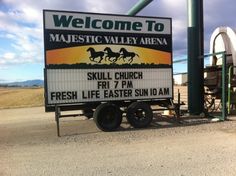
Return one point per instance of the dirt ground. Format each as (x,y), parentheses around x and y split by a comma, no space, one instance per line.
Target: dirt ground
(29,146)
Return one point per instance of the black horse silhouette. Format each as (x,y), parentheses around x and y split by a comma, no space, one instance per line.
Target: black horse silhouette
(125,54)
(110,54)
(95,54)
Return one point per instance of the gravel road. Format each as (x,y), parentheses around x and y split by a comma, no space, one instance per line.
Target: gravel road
(29,146)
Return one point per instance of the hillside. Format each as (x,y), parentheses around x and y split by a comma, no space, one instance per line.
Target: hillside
(28,83)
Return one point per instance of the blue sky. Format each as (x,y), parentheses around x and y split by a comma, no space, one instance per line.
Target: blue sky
(21,29)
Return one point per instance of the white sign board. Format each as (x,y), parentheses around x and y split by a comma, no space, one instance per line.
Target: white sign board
(74,85)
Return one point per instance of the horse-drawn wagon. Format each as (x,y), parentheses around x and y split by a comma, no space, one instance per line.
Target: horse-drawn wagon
(222,39)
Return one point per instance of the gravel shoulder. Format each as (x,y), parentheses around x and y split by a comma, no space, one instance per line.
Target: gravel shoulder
(29,146)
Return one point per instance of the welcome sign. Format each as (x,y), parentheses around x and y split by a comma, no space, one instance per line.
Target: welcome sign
(103,57)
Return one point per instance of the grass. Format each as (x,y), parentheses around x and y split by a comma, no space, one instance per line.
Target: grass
(21,97)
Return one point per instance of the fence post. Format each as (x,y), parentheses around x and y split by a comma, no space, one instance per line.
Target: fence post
(223,95)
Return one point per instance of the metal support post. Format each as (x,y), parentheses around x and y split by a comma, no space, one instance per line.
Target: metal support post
(138,7)
(229,88)
(178,107)
(195,50)
(223,98)
(57,118)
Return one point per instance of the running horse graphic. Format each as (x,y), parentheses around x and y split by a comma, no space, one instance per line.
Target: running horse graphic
(95,54)
(110,54)
(125,54)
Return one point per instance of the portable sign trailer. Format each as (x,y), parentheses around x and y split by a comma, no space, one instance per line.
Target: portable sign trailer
(105,62)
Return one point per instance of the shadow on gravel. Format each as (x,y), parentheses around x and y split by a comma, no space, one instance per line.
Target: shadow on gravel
(159,122)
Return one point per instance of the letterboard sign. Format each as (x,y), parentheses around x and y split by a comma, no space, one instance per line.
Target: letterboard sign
(102,57)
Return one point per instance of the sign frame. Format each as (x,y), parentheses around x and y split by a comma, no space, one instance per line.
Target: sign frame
(48,104)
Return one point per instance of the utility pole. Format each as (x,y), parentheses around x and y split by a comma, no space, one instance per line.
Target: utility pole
(195,60)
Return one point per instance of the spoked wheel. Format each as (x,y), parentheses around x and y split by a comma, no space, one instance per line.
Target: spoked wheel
(209,103)
(139,114)
(218,105)
(212,104)
(107,117)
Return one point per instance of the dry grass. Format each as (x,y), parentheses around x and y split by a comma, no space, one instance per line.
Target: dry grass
(21,97)
(183,90)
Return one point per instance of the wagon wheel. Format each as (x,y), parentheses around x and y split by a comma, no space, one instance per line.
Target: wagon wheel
(209,103)
(218,105)
(212,103)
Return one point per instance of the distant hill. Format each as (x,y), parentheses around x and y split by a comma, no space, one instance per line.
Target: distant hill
(28,83)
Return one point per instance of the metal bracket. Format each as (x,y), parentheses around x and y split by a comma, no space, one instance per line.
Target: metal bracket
(57,118)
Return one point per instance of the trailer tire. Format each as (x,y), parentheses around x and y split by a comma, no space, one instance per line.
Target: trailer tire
(107,117)
(139,114)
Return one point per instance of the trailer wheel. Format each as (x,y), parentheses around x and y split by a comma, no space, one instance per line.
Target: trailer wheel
(107,117)
(139,114)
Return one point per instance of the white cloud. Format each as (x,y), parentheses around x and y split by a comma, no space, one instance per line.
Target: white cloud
(9,56)
(23,24)
(10,36)
(25,32)
(106,6)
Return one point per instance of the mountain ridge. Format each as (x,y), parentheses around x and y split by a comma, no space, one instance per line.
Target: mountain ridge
(27,83)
